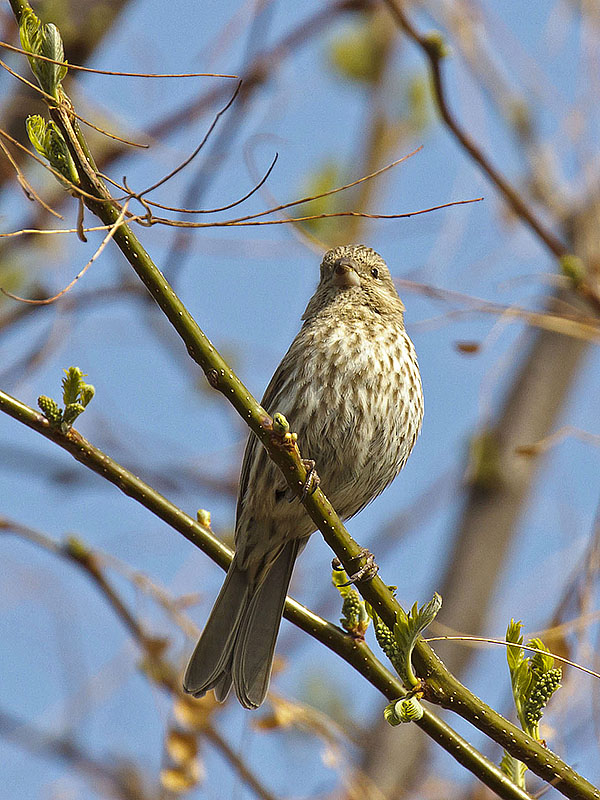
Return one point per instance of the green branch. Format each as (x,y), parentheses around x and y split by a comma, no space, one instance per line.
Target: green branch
(354,651)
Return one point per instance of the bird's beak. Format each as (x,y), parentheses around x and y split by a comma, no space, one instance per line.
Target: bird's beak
(345,274)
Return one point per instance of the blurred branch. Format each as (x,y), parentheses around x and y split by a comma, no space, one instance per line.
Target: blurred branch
(258,31)
(238,764)
(87,297)
(352,650)
(432,46)
(578,324)
(119,781)
(263,65)
(156,666)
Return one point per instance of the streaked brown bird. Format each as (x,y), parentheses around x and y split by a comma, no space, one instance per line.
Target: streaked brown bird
(350,388)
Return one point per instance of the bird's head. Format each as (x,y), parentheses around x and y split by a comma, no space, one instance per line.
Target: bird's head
(358,275)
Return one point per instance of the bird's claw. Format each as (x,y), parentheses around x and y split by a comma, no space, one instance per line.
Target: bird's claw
(365,573)
(312,480)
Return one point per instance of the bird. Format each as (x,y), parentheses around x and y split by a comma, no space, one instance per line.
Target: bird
(350,388)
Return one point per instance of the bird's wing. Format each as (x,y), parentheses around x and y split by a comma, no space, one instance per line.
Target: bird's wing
(269,402)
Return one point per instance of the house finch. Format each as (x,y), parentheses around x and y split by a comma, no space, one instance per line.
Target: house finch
(350,387)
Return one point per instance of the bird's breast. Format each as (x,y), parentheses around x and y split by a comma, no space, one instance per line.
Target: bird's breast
(358,407)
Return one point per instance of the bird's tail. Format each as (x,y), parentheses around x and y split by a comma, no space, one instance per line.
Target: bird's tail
(238,642)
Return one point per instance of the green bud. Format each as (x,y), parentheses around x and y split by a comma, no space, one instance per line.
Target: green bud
(36,127)
(545,686)
(50,409)
(407,630)
(534,678)
(86,392)
(407,709)
(59,155)
(49,142)
(76,548)
(354,618)
(280,424)
(43,40)
(71,384)
(385,639)
(70,414)
(203,517)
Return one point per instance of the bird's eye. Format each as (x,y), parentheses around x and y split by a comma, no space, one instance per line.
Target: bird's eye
(375,272)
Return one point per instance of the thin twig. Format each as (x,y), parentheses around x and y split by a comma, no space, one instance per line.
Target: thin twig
(193,155)
(49,231)
(79,68)
(53,101)
(251,220)
(542,445)
(504,643)
(105,241)
(328,193)
(586,328)
(103,776)
(30,192)
(233,204)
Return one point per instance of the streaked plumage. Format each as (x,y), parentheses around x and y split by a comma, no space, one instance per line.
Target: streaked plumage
(350,388)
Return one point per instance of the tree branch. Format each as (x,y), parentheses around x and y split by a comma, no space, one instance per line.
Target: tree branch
(441,687)
(433,50)
(354,651)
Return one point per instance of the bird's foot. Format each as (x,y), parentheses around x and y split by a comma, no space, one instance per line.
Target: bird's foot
(312,480)
(365,573)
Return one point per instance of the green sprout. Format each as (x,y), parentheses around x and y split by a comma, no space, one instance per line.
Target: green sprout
(534,680)
(385,638)
(407,709)
(398,646)
(50,409)
(43,40)
(50,143)
(407,630)
(203,517)
(76,396)
(354,619)
(280,424)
